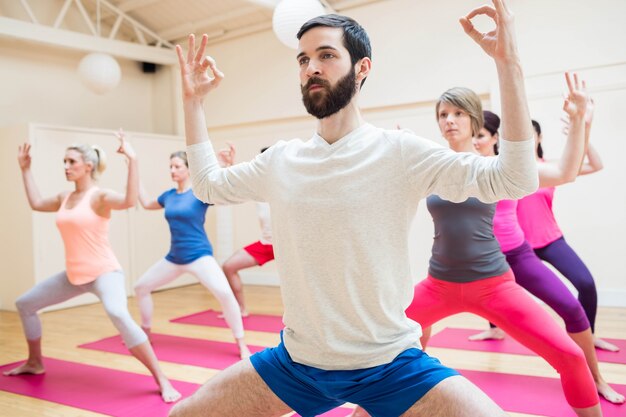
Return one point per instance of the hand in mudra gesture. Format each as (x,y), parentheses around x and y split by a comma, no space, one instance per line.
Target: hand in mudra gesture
(500,43)
(23,156)
(576,99)
(193,69)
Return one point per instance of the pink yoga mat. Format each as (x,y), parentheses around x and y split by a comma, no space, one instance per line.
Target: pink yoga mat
(183,350)
(534,395)
(101,390)
(257,322)
(453,338)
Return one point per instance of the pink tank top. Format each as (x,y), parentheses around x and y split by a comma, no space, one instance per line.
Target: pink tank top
(88,253)
(506,227)
(536,218)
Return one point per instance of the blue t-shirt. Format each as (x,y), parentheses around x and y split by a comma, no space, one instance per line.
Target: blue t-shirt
(185,215)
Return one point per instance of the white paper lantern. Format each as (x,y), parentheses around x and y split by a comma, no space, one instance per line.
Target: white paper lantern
(290,15)
(99,72)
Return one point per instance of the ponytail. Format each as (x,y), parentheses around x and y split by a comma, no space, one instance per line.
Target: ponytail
(93,155)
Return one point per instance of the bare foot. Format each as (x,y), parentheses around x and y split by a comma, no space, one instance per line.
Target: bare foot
(27,368)
(244,352)
(359,412)
(609,393)
(244,313)
(494,333)
(168,392)
(604,345)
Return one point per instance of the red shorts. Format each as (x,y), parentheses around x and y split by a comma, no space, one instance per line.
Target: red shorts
(260,252)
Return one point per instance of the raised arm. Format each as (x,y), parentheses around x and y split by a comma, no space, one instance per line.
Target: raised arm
(513,174)
(501,45)
(567,168)
(210,182)
(35,200)
(594,162)
(113,200)
(196,84)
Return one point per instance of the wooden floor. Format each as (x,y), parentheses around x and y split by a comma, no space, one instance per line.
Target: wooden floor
(65,329)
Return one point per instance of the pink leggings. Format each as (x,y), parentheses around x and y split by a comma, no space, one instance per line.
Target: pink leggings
(504,303)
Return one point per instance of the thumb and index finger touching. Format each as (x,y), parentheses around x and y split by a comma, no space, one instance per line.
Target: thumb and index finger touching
(495,12)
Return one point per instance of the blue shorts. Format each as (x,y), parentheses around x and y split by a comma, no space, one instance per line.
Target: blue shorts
(383,391)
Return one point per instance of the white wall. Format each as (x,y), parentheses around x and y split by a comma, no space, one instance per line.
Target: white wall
(32,248)
(420,50)
(42,85)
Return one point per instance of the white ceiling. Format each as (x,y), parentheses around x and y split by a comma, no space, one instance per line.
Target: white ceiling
(153,26)
(173,20)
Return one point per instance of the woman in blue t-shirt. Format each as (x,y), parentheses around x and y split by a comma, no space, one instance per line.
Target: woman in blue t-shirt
(190,251)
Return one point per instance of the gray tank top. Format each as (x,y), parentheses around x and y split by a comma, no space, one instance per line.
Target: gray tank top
(464,247)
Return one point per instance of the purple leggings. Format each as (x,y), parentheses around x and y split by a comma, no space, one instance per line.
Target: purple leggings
(539,280)
(561,256)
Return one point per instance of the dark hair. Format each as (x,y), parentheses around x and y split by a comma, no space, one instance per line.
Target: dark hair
(492,124)
(182,155)
(355,38)
(537,128)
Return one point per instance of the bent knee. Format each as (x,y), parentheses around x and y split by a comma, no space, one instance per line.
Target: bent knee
(24,305)
(142,290)
(230,268)
(586,288)
(119,315)
(570,358)
(574,317)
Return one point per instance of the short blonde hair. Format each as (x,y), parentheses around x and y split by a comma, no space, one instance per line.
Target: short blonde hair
(466,100)
(92,154)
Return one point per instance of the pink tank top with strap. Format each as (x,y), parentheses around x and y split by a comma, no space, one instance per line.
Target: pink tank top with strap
(536,218)
(506,227)
(88,253)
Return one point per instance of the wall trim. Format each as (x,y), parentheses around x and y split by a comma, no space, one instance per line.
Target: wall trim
(611,298)
(259,278)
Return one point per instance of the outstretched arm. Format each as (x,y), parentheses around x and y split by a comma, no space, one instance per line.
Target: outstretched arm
(566,169)
(116,201)
(35,200)
(501,45)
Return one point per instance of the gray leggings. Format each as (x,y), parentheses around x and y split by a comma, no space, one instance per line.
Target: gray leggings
(109,288)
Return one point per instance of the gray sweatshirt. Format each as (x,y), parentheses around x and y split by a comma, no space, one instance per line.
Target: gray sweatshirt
(341,215)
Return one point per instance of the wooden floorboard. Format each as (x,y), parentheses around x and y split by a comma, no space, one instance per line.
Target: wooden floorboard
(65,329)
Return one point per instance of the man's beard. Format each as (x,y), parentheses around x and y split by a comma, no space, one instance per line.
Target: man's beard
(329,100)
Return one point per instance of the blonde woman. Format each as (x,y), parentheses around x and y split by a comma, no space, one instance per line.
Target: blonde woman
(83,217)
